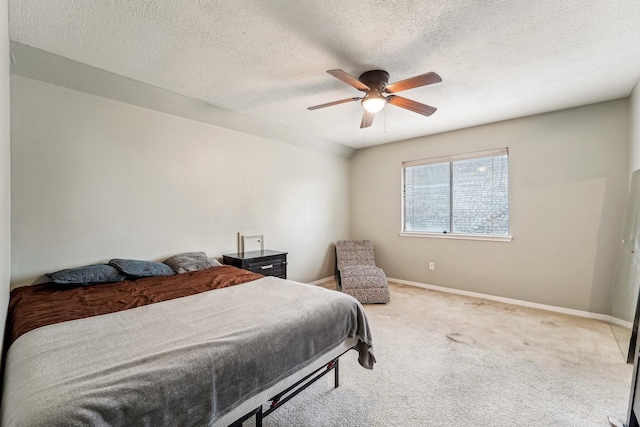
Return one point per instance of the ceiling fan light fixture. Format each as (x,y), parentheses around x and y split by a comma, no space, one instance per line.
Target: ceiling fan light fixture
(374,102)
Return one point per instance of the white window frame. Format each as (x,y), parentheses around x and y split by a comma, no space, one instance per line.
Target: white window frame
(449,159)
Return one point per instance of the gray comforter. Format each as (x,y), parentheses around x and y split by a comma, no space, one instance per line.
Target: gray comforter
(181,362)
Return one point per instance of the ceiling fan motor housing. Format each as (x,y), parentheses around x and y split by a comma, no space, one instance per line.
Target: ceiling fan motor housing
(375,79)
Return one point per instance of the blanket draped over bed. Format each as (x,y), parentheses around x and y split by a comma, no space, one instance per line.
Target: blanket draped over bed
(31,307)
(185,361)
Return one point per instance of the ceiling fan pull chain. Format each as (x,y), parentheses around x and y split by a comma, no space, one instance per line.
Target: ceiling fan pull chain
(385,122)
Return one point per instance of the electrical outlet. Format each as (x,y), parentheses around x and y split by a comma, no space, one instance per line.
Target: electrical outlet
(432,266)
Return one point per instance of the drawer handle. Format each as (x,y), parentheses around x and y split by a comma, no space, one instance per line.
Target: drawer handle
(266,267)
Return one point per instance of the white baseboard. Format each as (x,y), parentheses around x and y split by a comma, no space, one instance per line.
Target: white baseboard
(553,308)
(579,313)
(321,281)
(621,322)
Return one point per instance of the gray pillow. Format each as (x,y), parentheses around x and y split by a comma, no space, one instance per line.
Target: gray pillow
(136,268)
(190,261)
(101,273)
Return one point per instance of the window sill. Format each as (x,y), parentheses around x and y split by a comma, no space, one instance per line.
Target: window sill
(487,238)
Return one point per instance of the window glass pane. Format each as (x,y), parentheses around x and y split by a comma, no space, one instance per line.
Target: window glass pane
(480,196)
(427,198)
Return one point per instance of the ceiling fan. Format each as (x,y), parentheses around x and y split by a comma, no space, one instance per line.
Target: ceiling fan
(374,84)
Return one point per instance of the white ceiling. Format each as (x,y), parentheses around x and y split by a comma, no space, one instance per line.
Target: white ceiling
(498,59)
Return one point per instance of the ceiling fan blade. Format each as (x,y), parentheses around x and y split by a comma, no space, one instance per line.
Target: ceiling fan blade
(329,104)
(417,81)
(367,119)
(416,107)
(348,79)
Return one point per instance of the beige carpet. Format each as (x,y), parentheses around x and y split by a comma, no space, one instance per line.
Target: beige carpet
(449,360)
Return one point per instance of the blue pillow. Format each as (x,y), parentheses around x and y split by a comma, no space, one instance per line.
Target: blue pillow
(101,273)
(136,268)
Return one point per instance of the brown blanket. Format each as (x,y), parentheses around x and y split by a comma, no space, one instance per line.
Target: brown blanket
(31,307)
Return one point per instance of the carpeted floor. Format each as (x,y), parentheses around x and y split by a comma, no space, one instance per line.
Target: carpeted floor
(449,360)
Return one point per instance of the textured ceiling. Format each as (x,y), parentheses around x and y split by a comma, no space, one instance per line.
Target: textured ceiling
(267,59)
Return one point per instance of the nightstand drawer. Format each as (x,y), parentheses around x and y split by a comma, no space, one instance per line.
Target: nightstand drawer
(267,262)
(275,271)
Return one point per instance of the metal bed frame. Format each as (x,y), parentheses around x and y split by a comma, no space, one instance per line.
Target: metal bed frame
(284,396)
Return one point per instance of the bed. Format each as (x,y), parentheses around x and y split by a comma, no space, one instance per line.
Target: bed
(204,348)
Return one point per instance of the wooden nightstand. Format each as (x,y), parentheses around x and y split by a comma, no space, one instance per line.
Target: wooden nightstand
(267,262)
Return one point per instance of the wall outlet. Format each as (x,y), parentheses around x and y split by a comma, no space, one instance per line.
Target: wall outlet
(432,266)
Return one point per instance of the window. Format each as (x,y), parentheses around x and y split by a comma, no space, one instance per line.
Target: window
(465,194)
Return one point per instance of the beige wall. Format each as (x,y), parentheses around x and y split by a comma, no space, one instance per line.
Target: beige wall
(5,165)
(634,130)
(568,189)
(95,178)
(625,292)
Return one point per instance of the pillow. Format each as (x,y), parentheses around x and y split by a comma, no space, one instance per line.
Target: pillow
(86,275)
(136,268)
(190,261)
